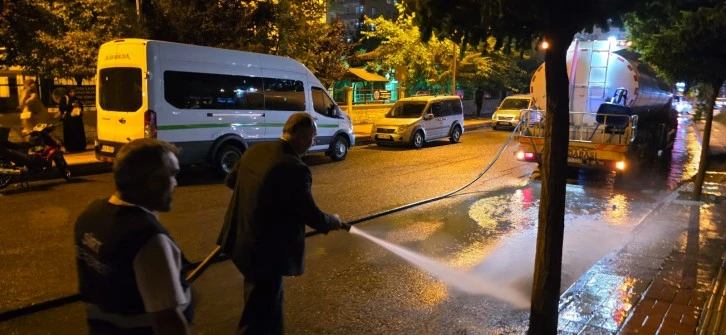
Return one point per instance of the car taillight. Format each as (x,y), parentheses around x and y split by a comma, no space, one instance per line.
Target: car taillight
(150,124)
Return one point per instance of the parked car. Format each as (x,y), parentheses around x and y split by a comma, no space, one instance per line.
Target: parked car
(416,120)
(508,112)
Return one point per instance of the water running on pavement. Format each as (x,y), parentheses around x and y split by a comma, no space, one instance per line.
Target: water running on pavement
(463,281)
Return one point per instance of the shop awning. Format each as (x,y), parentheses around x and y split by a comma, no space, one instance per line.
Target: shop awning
(356,74)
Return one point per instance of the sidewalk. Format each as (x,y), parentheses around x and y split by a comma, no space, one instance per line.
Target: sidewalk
(681,285)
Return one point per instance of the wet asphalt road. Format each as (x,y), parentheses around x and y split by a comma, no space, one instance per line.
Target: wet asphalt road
(352,285)
(38,222)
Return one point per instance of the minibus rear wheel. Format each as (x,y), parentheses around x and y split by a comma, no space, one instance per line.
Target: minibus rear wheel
(226,158)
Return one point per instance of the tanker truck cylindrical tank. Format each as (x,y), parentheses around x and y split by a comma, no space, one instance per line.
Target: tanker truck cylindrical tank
(601,67)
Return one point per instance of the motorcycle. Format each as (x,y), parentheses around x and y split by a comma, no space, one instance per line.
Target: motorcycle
(19,160)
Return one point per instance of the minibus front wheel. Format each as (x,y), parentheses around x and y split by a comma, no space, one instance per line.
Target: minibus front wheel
(338,148)
(226,158)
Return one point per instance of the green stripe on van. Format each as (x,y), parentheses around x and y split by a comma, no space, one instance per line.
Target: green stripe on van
(225,125)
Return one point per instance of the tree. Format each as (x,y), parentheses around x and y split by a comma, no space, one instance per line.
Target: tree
(285,28)
(426,64)
(517,24)
(240,25)
(21,19)
(61,38)
(81,26)
(685,40)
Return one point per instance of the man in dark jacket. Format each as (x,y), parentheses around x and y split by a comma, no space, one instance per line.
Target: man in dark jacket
(264,231)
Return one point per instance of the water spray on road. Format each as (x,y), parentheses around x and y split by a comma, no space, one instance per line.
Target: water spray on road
(475,284)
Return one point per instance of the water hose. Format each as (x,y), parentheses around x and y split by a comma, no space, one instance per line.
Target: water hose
(213,256)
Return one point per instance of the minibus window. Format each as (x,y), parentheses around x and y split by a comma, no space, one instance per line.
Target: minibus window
(120,89)
(323,105)
(284,94)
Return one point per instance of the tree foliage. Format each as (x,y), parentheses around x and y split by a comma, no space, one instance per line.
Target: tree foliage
(285,28)
(430,63)
(685,40)
(401,48)
(61,38)
(680,40)
(82,26)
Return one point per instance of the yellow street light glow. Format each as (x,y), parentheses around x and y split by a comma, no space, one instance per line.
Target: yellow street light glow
(545,45)
(620,165)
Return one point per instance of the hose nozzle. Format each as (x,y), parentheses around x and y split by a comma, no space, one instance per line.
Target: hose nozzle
(345,226)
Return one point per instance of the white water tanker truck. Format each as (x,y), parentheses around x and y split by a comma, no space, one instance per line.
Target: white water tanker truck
(620,112)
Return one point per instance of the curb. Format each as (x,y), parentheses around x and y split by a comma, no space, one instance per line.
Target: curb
(84,169)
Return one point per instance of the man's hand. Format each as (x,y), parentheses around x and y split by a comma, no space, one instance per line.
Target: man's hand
(339,224)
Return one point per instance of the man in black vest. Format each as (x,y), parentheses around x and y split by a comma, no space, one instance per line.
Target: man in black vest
(129,268)
(264,229)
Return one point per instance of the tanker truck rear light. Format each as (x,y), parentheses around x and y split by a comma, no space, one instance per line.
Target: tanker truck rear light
(525,156)
(620,165)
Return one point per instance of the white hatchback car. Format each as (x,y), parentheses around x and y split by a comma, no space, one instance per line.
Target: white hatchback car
(417,120)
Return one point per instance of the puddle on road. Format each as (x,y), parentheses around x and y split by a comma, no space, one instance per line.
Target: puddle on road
(463,281)
(595,223)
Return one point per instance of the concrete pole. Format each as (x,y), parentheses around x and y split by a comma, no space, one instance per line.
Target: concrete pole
(401,91)
(349,101)
(453,73)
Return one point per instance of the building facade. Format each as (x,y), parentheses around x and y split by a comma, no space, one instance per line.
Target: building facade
(353,12)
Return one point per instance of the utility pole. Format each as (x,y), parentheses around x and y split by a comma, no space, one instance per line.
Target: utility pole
(453,73)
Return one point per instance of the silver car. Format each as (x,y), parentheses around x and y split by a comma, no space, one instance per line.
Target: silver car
(416,120)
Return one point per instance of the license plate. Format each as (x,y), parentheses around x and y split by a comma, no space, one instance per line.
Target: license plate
(581,154)
(107,148)
(505,123)
(383,137)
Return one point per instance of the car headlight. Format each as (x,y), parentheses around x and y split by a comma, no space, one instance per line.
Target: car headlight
(494,116)
(402,129)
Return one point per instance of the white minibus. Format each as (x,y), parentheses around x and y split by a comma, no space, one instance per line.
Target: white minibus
(212,103)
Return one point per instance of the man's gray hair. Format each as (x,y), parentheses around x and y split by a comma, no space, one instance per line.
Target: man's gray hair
(298,122)
(139,160)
